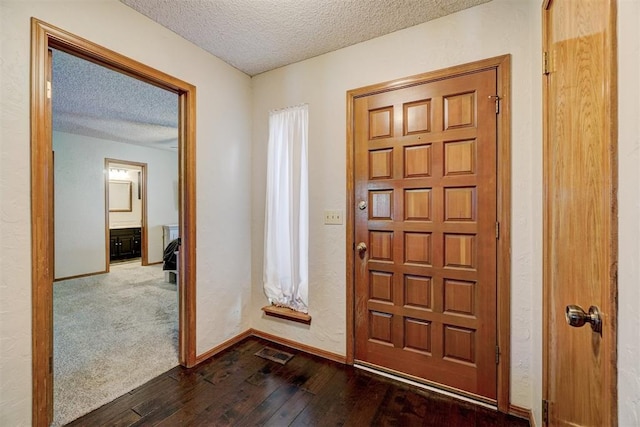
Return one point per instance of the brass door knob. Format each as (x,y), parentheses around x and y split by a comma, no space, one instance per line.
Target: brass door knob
(577,317)
(362,248)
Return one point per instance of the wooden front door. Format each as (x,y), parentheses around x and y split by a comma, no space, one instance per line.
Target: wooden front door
(580,257)
(425,191)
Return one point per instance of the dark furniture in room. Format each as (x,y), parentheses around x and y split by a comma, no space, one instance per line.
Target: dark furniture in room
(124,243)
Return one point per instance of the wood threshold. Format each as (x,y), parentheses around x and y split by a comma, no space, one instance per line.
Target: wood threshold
(287,314)
(441,388)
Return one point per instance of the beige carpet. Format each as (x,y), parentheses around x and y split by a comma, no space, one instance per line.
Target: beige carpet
(112,333)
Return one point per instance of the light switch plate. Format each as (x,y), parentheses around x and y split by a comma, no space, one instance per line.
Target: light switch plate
(333,217)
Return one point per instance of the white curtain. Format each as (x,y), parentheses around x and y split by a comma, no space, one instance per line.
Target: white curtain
(286,231)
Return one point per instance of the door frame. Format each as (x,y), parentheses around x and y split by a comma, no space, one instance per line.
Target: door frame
(502,65)
(43,37)
(144,255)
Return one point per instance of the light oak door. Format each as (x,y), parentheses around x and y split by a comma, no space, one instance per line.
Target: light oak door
(580,237)
(425,228)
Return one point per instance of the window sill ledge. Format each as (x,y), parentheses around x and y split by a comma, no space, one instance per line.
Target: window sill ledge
(287,313)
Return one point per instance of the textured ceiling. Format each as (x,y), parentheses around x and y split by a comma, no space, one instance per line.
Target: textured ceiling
(92,100)
(252,35)
(259,35)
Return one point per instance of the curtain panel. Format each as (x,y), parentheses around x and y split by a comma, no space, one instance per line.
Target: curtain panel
(286,236)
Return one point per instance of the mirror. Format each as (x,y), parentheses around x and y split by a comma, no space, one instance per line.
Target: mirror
(119,196)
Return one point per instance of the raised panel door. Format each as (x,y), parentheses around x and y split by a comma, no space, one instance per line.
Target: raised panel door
(425,164)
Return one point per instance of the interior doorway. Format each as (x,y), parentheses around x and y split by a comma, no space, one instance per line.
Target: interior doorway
(126,212)
(123,315)
(44,37)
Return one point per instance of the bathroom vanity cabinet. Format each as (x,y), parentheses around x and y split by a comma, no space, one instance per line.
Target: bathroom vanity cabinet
(124,243)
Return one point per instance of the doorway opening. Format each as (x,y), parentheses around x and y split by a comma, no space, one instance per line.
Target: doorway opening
(45,37)
(126,212)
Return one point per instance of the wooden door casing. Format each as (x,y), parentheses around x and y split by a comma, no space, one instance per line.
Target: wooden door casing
(44,36)
(580,209)
(425,165)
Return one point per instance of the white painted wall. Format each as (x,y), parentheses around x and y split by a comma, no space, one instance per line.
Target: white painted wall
(223,178)
(80,205)
(628,208)
(495,28)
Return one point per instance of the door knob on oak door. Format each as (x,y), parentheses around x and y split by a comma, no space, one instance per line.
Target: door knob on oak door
(361,248)
(577,317)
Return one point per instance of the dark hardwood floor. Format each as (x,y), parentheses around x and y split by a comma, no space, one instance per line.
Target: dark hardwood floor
(238,388)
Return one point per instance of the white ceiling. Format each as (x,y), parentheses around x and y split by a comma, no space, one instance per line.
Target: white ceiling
(252,35)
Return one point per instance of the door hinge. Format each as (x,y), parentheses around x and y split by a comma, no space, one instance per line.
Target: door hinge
(497,355)
(545,411)
(497,100)
(48,89)
(545,63)
(497,230)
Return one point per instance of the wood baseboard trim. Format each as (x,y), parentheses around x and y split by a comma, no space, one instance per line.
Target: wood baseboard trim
(221,347)
(273,338)
(79,276)
(287,314)
(302,347)
(521,412)
(154,263)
